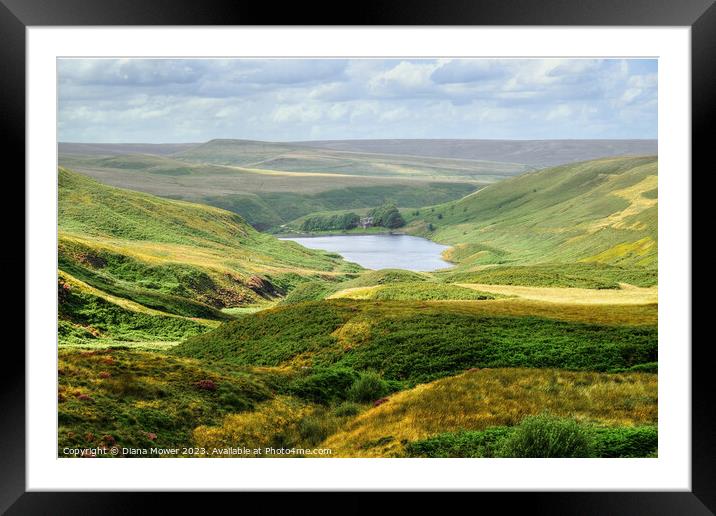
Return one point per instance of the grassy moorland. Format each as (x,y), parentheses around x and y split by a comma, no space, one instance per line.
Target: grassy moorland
(494,398)
(181,325)
(130,256)
(144,399)
(297,158)
(600,212)
(420,341)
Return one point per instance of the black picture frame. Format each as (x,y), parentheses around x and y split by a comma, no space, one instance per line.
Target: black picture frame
(17,15)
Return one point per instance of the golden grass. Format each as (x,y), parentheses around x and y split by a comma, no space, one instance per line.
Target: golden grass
(128,304)
(637,204)
(640,247)
(628,295)
(124,303)
(255,429)
(485,398)
(219,258)
(597,313)
(355,293)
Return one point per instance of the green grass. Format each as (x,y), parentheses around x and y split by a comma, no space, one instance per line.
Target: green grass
(425,291)
(134,259)
(171,288)
(86,318)
(414,342)
(577,275)
(481,399)
(607,442)
(310,291)
(384,277)
(91,212)
(597,211)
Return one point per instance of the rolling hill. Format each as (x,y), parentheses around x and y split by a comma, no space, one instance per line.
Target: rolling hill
(418,341)
(600,212)
(127,253)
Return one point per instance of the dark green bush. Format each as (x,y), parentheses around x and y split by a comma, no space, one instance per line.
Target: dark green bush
(369,387)
(346,409)
(314,428)
(548,436)
(324,385)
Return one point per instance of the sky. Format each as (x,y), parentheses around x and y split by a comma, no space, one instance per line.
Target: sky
(196,100)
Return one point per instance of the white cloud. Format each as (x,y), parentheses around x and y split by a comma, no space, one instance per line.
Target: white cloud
(279,99)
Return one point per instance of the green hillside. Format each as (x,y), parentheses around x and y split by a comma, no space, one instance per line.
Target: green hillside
(267,198)
(602,211)
(419,341)
(162,257)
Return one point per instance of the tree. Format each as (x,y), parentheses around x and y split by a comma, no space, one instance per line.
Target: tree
(387,216)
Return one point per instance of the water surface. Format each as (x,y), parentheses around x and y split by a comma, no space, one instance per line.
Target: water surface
(382,251)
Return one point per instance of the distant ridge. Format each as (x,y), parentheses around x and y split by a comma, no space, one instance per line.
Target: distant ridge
(114,149)
(535,153)
(532,153)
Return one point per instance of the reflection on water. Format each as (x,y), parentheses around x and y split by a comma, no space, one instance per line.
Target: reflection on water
(382,251)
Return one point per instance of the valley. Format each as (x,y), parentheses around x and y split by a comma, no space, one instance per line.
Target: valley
(516,286)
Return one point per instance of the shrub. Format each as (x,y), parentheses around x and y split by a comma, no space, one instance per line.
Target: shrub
(548,436)
(626,441)
(316,427)
(309,291)
(470,444)
(324,385)
(649,367)
(346,409)
(370,386)
(234,398)
(206,385)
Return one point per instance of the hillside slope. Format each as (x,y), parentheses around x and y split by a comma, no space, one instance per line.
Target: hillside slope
(417,341)
(172,257)
(602,211)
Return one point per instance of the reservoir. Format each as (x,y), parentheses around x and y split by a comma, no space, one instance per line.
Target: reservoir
(382,251)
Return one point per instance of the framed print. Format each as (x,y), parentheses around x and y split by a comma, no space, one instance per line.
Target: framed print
(425,249)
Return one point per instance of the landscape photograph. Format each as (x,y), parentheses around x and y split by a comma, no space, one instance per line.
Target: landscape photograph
(357,258)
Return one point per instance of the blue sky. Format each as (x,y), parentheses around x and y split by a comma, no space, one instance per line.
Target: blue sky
(193,100)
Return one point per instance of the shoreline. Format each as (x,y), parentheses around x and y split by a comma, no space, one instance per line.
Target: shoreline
(334,233)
